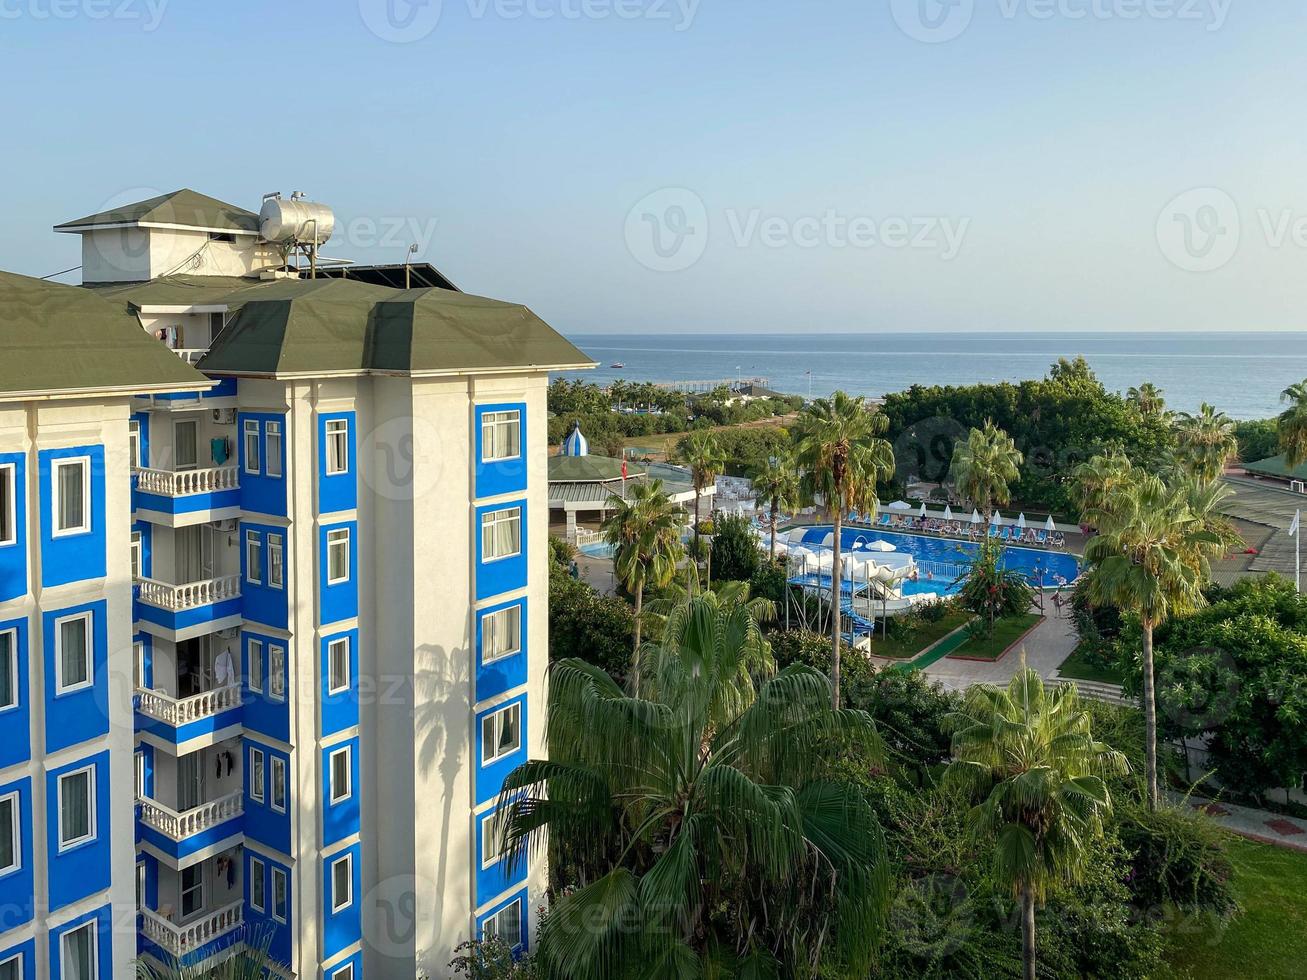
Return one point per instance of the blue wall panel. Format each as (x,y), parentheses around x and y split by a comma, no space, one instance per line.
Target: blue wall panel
(260,493)
(340,820)
(263,713)
(83,869)
(340,711)
(502,675)
(281,946)
(72,557)
(189,504)
(13,557)
(342,929)
(83,714)
(15,722)
(260,602)
(17,888)
(490,779)
(26,952)
(519,897)
(103,919)
(501,476)
(264,823)
(337,603)
(502,574)
(340,491)
(496,879)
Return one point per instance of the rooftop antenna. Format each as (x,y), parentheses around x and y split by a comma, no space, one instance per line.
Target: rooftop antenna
(408,275)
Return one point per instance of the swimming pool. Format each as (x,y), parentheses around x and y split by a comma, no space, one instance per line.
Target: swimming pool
(941,560)
(600,549)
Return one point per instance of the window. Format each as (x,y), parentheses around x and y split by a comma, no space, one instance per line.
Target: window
(337,446)
(341,771)
(279,897)
(72,493)
(501,634)
(140,775)
(136,555)
(251,430)
(8,669)
(272,430)
(138,663)
(501,534)
(342,883)
(134,444)
(490,852)
(10,846)
(80,959)
(256,775)
(501,436)
(501,733)
(276,672)
(258,900)
(192,890)
(338,556)
(256,665)
(338,665)
(253,557)
(140,886)
(346,972)
(279,784)
(276,567)
(76,807)
(505,925)
(184,444)
(8,504)
(72,660)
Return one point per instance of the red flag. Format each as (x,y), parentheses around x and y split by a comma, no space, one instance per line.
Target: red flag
(623,469)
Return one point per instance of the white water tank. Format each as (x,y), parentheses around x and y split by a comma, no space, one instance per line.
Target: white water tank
(295,221)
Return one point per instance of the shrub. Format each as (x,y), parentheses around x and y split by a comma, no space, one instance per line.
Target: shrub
(598,629)
(561,552)
(735,555)
(1179,859)
(769,582)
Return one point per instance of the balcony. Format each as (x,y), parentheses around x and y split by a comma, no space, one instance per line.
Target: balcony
(184,483)
(180,611)
(192,595)
(182,836)
(196,939)
(181,719)
(181,497)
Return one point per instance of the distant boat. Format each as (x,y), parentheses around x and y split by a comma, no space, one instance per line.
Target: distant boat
(617,364)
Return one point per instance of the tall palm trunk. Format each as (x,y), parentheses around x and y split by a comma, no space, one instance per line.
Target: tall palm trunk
(1028,932)
(635,649)
(773,529)
(835,611)
(1150,717)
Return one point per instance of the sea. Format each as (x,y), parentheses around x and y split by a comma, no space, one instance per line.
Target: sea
(1241,373)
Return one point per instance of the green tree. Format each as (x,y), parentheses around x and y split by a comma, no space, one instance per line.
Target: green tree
(1147,399)
(734,548)
(1293,425)
(1152,559)
(1032,758)
(587,624)
(776,487)
(249,960)
(984,465)
(645,533)
(1097,479)
(991,591)
(841,458)
(702,843)
(1205,442)
(703,455)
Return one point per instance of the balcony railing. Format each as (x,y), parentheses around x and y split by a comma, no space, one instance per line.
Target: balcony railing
(180,940)
(178,598)
(191,355)
(182,483)
(180,826)
(176,713)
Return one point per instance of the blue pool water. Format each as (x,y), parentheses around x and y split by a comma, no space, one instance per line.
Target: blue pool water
(598,550)
(941,560)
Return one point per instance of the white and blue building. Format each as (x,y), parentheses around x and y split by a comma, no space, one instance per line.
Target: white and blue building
(272,606)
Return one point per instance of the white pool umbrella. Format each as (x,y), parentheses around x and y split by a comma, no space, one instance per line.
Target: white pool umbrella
(899,505)
(881,546)
(1049,525)
(948,512)
(828,540)
(922,512)
(1021,521)
(975,517)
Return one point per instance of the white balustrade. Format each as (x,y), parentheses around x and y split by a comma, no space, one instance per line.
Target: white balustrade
(178,598)
(175,712)
(183,939)
(179,826)
(182,483)
(191,355)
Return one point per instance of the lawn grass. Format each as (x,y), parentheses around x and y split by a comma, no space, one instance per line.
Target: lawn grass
(1006,632)
(908,647)
(1269,938)
(1077,668)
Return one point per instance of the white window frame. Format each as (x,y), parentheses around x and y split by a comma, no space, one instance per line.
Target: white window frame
(277,543)
(276,672)
(138,663)
(492,517)
(177,463)
(345,972)
(92,829)
(134,444)
(56,466)
(9,478)
(16,832)
(337,532)
(253,546)
(277,765)
(95,947)
(261,905)
(60,688)
(181,891)
(337,906)
(496,718)
(250,427)
(279,875)
(254,653)
(511,418)
(138,759)
(272,465)
(140,885)
(137,571)
(488,842)
(332,646)
(11,665)
(335,794)
(18,958)
(258,767)
(335,435)
(514,906)
(508,612)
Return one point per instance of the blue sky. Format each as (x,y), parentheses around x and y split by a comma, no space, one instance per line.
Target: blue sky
(834,166)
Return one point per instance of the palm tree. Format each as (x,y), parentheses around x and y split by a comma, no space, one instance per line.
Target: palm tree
(983,466)
(249,961)
(1147,399)
(1293,425)
(701,842)
(1032,757)
(776,487)
(646,537)
(1151,558)
(841,457)
(1097,479)
(1205,442)
(702,454)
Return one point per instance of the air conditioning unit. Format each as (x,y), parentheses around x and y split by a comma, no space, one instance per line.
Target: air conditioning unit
(228,526)
(224,416)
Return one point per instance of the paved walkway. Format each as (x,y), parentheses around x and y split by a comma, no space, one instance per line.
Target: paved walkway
(1051,643)
(1258,825)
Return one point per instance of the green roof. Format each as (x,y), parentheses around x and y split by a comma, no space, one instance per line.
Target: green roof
(1275,466)
(589,469)
(184,207)
(60,339)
